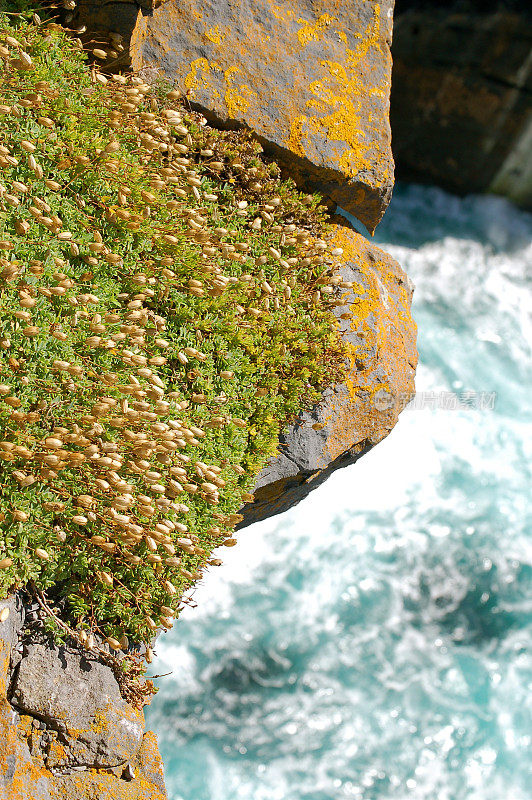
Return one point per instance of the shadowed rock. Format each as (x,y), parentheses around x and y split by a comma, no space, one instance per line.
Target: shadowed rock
(461,106)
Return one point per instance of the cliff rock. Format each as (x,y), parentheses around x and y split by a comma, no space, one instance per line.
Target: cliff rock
(375,322)
(66,732)
(461,105)
(311,79)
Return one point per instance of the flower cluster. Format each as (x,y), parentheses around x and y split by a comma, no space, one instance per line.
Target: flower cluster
(164,310)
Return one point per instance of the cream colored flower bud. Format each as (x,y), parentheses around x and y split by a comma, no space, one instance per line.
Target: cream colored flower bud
(106,578)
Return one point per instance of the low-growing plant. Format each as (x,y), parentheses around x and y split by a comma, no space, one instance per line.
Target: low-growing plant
(165,311)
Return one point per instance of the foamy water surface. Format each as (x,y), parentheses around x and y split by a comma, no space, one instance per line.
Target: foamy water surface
(374,642)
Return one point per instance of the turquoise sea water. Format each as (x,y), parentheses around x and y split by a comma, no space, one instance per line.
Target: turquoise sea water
(374,643)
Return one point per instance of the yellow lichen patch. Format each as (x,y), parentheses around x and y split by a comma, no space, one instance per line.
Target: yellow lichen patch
(197,14)
(282,14)
(24,775)
(57,754)
(105,721)
(370,38)
(237,99)
(339,113)
(237,96)
(215,35)
(308,32)
(24,726)
(344,123)
(295,136)
(149,759)
(198,74)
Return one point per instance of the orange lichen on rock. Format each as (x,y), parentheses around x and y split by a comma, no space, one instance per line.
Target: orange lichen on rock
(21,777)
(24,773)
(149,760)
(42,761)
(309,31)
(381,338)
(97,785)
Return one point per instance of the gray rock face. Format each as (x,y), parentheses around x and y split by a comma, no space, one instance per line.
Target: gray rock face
(78,697)
(285,482)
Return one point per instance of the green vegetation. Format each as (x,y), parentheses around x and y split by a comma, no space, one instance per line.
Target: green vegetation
(161,321)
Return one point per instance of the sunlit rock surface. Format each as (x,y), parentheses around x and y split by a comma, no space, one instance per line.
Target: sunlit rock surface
(65,731)
(311,79)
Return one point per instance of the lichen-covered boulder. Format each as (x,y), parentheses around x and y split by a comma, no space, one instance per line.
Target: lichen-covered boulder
(65,731)
(134,784)
(63,721)
(376,324)
(310,77)
(20,777)
(79,697)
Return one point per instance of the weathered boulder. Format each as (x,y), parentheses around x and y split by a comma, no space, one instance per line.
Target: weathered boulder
(310,77)
(65,731)
(461,105)
(375,321)
(79,697)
